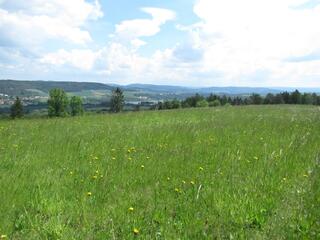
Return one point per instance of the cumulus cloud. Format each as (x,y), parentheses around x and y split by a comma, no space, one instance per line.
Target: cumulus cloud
(35,21)
(241,38)
(132,30)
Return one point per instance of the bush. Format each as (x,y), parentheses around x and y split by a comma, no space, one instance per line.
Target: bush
(215,103)
(202,103)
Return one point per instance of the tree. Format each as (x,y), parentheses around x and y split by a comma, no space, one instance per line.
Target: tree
(296,97)
(117,100)
(57,103)
(16,109)
(76,107)
(256,99)
(215,103)
(202,103)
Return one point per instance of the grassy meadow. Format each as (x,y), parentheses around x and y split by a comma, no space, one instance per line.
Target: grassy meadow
(214,173)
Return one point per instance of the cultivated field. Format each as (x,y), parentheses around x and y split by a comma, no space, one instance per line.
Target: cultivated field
(220,173)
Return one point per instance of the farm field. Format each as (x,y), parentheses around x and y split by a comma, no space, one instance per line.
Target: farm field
(214,173)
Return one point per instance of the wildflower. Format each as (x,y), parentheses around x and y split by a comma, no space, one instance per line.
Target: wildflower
(177,190)
(183,181)
(148,157)
(71,172)
(255,158)
(95,158)
(136,231)
(101,176)
(168,179)
(192,182)
(129,158)
(305,175)
(94,177)
(129,150)
(113,158)
(142,166)
(284,179)
(131,209)
(97,171)
(3,236)
(201,168)
(113,150)
(89,194)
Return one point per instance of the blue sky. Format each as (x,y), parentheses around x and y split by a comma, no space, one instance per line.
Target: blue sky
(177,42)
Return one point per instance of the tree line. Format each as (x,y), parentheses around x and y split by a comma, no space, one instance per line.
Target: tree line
(60,105)
(214,100)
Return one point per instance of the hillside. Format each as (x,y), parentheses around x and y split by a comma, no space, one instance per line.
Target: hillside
(26,88)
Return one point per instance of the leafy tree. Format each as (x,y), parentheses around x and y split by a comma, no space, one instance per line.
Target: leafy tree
(57,103)
(76,107)
(202,103)
(215,103)
(16,109)
(117,101)
(192,101)
(256,99)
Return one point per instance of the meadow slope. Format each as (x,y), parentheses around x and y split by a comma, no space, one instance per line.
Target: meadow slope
(219,173)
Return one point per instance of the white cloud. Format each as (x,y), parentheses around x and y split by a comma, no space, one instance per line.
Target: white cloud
(82,59)
(241,38)
(34,21)
(132,30)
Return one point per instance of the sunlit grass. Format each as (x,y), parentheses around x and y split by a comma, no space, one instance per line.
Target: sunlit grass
(234,172)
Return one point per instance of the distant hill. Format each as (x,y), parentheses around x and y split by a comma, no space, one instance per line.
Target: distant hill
(27,88)
(207,90)
(134,91)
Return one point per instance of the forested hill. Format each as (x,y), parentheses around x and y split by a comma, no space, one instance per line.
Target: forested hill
(20,88)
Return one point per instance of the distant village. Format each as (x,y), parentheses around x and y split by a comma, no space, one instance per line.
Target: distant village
(6,100)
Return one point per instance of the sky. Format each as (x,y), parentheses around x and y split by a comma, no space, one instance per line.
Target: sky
(255,43)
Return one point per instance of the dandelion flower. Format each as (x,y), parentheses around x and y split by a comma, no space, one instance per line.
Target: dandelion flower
(201,168)
(97,171)
(89,194)
(3,236)
(131,209)
(168,179)
(148,157)
(255,158)
(71,172)
(183,181)
(113,158)
(192,182)
(95,177)
(129,158)
(177,190)
(142,166)
(136,231)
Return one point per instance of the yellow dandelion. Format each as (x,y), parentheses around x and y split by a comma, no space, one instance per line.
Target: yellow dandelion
(129,150)
(305,175)
(113,150)
(129,158)
(95,177)
(131,209)
(168,179)
(113,158)
(148,157)
(101,176)
(284,179)
(3,236)
(97,171)
(255,158)
(136,231)
(177,190)
(89,194)
(142,166)
(183,181)
(71,172)
(192,182)
(201,168)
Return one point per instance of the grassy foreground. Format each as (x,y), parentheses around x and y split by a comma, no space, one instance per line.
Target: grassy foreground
(223,173)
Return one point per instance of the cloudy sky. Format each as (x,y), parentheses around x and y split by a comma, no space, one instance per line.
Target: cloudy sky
(177,42)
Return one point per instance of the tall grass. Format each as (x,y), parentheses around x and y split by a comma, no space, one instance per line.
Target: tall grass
(220,173)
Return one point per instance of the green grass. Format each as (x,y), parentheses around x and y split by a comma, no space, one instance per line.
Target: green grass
(260,177)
